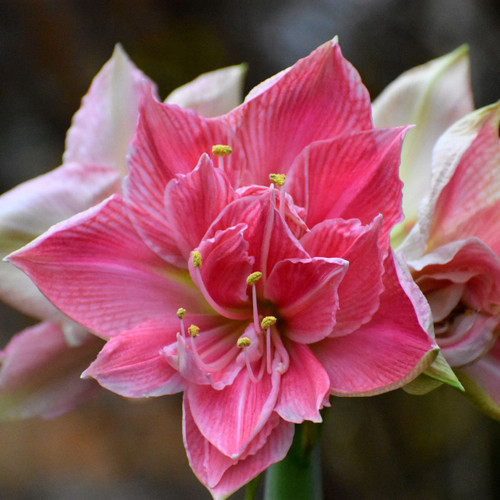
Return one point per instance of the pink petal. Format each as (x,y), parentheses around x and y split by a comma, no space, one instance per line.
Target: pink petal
(320,96)
(362,168)
(432,96)
(224,270)
(474,187)
(40,373)
(103,127)
(305,294)
(221,474)
(231,418)
(212,94)
(96,269)
(168,141)
(464,183)
(304,386)
(31,208)
(362,284)
(193,201)
(386,353)
(215,346)
(270,239)
(131,363)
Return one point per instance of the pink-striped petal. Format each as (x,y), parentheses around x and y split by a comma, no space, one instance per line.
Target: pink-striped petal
(321,96)
(106,279)
(231,418)
(363,168)
(40,373)
(361,286)
(131,364)
(31,208)
(386,353)
(168,141)
(223,475)
(304,386)
(304,291)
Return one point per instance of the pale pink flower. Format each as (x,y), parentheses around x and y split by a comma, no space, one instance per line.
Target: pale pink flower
(258,299)
(94,164)
(432,97)
(454,253)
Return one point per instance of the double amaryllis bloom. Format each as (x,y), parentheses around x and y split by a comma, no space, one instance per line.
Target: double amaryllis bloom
(247,263)
(454,253)
(40,367)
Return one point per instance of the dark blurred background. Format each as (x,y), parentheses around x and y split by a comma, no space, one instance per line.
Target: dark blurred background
(391,446)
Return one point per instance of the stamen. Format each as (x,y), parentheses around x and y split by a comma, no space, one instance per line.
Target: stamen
(180,314)
(279,181)
(194,331)
(196,256)
(282,353)
(254,277)
(221,150)
(251,280)
(243,343)
(266,324)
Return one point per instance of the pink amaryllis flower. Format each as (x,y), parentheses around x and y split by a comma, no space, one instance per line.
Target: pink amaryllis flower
(454,253)
(247,264)
(41,366)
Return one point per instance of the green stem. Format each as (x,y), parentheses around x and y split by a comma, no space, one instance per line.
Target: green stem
(298,476)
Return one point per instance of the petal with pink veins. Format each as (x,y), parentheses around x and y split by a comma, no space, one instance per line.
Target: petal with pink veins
(131,364)
(386,353)
(31,208)
(304,386)
(106,279)
(225,266)
(304,291)
(363,168)
(168,141)
(361,286)
(269,237)
(192,202)
(223,475)
(231,418)
(320,96)
(40,373)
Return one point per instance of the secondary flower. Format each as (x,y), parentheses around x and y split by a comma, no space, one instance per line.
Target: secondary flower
(454,253)
(431,97)
(41,365)
(247,264)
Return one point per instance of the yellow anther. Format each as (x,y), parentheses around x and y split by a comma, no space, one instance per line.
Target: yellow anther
(253,278)
(267,322)
(278,179)
(196,256)
(243,342)
(221,150)
(194,331)
(181,312)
